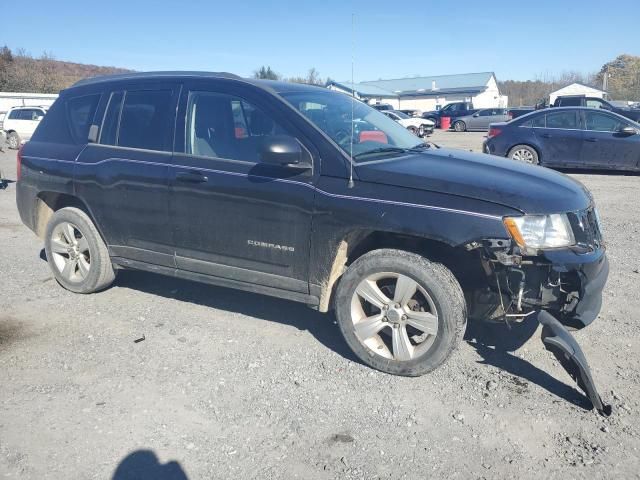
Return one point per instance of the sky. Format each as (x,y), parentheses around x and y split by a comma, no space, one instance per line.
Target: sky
(516,39)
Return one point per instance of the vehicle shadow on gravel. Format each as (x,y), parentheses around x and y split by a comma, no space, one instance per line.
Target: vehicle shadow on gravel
(144,465)
(321,326)
(495,344)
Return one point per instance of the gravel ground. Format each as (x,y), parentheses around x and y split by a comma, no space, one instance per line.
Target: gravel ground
(228,384)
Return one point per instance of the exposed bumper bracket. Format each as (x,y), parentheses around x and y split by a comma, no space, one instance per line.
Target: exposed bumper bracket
(557,339)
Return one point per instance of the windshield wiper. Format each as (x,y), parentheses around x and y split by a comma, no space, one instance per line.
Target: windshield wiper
(419,147)
(381,150)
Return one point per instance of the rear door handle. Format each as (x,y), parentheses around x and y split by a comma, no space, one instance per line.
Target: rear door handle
(591,139)
(191,177)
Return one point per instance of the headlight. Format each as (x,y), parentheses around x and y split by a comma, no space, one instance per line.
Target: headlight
(533,232)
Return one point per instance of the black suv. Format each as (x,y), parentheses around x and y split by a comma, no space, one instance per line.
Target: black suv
(307,194)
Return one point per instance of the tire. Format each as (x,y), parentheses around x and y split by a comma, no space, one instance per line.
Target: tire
(85,269)
(437,294)
(460,126)
(13,139)
(413,130)
(524,153)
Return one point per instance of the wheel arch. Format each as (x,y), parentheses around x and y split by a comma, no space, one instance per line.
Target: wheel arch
(48,202)
(356,244)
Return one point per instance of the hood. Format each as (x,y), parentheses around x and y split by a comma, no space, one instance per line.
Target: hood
(527,188)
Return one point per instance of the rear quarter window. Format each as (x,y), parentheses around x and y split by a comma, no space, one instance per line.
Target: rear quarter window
(68,120)
(80,112)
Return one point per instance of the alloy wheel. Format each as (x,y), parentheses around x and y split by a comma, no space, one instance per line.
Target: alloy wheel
(394,316)
(523,155)
(70,251)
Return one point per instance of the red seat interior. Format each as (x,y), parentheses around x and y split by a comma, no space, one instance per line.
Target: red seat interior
(373,136)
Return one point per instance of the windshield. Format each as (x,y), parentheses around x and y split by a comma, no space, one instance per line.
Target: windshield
(402,114)
(373,132)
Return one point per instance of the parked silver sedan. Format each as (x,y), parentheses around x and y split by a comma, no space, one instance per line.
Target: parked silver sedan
(480,120)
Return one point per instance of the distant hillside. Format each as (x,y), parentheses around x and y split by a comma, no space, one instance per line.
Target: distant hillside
(20,72)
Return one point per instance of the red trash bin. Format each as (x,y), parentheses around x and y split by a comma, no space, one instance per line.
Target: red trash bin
(445,123)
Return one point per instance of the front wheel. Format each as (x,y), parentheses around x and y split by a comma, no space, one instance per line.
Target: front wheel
(399,312)
(524,153)
(76,252)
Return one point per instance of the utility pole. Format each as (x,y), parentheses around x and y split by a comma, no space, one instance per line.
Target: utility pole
(605,79)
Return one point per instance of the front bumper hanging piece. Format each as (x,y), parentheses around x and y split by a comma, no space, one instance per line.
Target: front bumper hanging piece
(557,339)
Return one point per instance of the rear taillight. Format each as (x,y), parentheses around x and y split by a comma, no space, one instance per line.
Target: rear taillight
(494,132)
(19,162)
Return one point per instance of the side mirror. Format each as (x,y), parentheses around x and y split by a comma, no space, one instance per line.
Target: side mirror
(39,117)
(476,114)
(283,150)
(627,131)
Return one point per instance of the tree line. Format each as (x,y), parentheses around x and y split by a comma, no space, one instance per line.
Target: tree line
(622,79)
(21,72)
(312,77)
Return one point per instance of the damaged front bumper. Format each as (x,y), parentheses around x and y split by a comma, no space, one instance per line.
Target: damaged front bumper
(562,288)
(567,283)
(577,295)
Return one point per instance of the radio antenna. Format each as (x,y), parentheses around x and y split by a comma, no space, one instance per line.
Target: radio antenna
(353,94)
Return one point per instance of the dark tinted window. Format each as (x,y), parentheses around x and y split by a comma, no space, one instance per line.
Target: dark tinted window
(565,119)
(602,122)
(224,126)
(570,102)
(109,130)
(30,114)
(146,120)
(14,115)
(486,113)
(80,112)
(536,122)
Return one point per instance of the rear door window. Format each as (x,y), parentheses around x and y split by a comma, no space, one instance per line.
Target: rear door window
(111,120)
(563,120)
(146,119)
(537,122)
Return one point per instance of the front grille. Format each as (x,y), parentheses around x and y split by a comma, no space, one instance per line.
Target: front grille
(586,227)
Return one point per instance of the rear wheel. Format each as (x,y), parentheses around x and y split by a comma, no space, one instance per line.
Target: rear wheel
(524,153)
(76,253)
(13,139)
(459,126)
(399,312)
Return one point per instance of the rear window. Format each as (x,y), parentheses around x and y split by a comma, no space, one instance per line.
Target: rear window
(570,102)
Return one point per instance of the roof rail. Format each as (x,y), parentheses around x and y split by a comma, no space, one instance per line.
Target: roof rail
(136,75)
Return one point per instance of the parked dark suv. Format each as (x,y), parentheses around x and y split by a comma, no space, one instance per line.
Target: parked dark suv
(247,184)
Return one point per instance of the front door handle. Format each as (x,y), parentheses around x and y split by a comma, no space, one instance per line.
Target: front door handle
(546,135)
(191,177)
(591,139)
